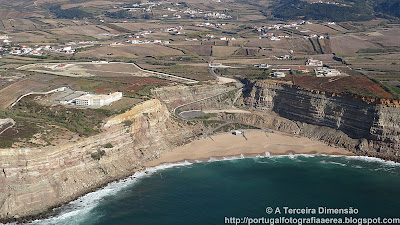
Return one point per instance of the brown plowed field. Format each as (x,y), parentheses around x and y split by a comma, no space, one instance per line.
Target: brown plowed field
(353,85)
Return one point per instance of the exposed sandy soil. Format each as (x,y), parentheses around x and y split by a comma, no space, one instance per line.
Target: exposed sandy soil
(257,143)
(128,50)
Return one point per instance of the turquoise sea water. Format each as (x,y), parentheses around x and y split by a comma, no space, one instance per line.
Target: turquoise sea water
(213,192)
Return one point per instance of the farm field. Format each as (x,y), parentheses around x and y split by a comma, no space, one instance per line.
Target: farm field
(128,51)
(223,51)
(385,37)
(345,84)
(32,83)
(299,46)
(349,44)
(319,29)
(86,30)
(33,37)
(201,50)
(139,26)
(91,3)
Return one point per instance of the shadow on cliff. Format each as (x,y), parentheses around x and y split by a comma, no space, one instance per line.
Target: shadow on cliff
(354,118)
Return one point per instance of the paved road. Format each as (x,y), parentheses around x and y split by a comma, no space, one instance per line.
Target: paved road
(191,115)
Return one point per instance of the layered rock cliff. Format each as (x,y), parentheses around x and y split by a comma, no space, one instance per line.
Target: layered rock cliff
(174,96)
(374,127)
(33,180)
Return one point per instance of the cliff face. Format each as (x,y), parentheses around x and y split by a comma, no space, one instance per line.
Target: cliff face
(375,127)
(174,96)
(33,180)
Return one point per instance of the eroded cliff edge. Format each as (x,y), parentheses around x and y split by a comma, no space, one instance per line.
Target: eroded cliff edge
(365,127)
(36,179)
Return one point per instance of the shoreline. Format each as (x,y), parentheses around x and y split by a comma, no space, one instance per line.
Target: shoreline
(221,146)
(254,143)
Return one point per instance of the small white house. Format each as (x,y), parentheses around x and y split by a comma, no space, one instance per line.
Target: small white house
(278,74)
(237,132)
(66,48)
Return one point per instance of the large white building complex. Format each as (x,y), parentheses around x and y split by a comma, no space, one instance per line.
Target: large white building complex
(98,100)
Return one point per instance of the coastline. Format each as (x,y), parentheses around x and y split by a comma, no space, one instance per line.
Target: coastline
(254,143)
(218,147)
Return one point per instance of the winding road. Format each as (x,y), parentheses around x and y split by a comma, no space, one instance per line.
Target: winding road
(239,90)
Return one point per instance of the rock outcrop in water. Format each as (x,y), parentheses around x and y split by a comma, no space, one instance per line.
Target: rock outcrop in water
(366,128)
(33,180)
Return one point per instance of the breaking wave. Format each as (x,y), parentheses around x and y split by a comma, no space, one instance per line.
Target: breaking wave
(80,210)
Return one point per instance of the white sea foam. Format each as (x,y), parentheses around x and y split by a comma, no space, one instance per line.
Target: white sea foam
(336,163)
(365,159)
(358,167)
(228,158)
(212,159)
(79,210)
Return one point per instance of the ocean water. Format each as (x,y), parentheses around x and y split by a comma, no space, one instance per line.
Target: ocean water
(214,192)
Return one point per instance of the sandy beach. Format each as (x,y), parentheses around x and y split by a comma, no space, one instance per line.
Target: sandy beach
(257,143)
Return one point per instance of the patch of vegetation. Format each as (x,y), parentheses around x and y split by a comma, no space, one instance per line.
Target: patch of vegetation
(389,7)
(260,76)
(84,122)
(145,92)
(212,123)
(121,14)
(372,50)
(360,92)
(22,130)
(349,10)
(108,145)
(127,123)
(103,170)
(206,116)
(117,28)
(87,48)
(97,155)
(161,63)
(235,126)
(396,89)
(295,9)
(69,13)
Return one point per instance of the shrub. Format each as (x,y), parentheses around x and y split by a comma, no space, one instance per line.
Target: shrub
(128,123)
(97,155)
(108,145)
